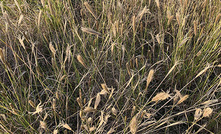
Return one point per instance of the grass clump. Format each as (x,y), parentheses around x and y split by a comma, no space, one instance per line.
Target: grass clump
(110,66)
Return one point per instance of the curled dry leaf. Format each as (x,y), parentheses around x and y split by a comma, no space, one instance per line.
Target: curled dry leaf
(90,31)
(103,92)
(97,101)
(21,40)
(160,96)
(183,99)
(104,87)
(51,47)
(112,48)
(197,114)
(81,113)
(62,77)
(92,128)
(207,112)
(133,125)
(89,120)
(43,125)
(106,118)
(145,114)
(149,78)
(55,131)
(158,38)
(80,59)
(114,111)
(38,109)
(31,103)
(66,126)
(89,109)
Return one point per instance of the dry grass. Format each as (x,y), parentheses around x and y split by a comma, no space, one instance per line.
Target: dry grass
(124,66)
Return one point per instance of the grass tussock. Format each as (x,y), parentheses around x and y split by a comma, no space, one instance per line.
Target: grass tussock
(122,66)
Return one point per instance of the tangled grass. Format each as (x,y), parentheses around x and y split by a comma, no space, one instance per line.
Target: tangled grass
(110,66)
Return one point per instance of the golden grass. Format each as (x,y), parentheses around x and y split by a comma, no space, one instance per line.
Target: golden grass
(110,66)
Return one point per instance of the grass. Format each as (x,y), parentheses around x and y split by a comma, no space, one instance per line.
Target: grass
(117,66)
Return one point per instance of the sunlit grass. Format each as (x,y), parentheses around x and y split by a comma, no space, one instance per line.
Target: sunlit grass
(110,66)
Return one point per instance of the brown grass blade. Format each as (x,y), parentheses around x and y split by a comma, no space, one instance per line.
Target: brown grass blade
(90,31)
(16,3)
(89,8)
(133,24)
(39,18)
(133,125)
(20,19)
(149,78)
(141,13)
(195,26)
(2,57)
(111,131)
(31,103)
(203,71)
(209,102)
(217,18)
